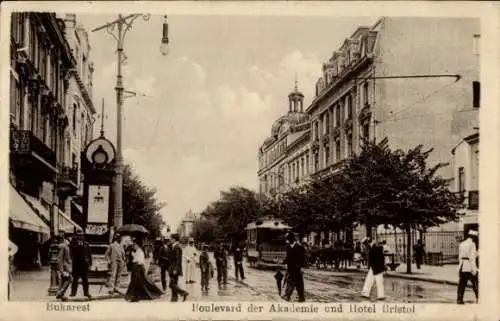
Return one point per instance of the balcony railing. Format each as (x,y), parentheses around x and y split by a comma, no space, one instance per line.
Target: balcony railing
(69,174)
(473,200)
(25,142)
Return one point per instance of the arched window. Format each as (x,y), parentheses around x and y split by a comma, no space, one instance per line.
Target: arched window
(75,107)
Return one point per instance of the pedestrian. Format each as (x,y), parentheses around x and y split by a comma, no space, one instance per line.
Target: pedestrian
(295,261)
(64,265)
(419,253)
(163,262)
(190,258)
(278,276)
(175,269)
(358,256)
(141,287)
(467,268)
(81,259)
(220,255)
(205,268)
(376,269)
(238,263)
(387,253)
(12,251)
(115,256)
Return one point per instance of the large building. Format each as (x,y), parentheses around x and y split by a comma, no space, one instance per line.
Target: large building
(185,229)
(42,171)
(395,79)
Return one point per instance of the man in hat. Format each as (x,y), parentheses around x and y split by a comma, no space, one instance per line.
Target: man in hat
(376,269)
(81,258)
(220,255)
(164,262)
(190,257)
(115,255)
(295,261)
(467,268)
(63,266)
(175,269)
(238,263)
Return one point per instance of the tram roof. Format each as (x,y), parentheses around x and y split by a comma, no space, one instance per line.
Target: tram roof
(275,225)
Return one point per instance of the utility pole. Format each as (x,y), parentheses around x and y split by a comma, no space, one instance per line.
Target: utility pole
(123,25)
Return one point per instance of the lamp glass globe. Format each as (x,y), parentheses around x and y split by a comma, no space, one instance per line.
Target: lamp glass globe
(165,48)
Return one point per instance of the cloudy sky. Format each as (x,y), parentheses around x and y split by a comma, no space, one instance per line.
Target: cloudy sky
(207,106)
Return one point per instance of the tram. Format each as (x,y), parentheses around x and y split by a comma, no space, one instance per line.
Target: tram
(266,245)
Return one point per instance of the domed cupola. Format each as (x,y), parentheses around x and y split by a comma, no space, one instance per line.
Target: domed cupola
(296,100)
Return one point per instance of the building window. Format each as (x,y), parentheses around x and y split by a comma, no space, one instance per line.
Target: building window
(327,122)
(461,181)
(327,155)
(365,93)
(476,44)
(74,118)
(337,151)
(349,106)
(350,150)
(337,115)
(316,162)
(307,163)
(316,130)
(366,131)
(302,166)
(476,94)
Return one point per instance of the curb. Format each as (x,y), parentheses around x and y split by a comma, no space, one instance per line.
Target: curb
(94,298)
(415,278)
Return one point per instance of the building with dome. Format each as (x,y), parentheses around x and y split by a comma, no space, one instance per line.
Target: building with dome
(284,156)
(395,79)
(186,227)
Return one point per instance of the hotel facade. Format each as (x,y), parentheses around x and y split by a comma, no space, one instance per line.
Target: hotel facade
(412,80)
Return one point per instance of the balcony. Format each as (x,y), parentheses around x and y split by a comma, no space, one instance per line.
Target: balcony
(30,155)
(473,200)
(68,180)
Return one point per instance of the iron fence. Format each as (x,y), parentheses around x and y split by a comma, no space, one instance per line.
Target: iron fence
(440,247)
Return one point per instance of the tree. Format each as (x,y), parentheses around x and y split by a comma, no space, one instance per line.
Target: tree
(234,209)
(205,230)
(140,205)
(396,188)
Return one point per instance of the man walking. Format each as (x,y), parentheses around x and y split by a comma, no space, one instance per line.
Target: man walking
(190,257)
(419,253)
(82,261)
(175,269)
(220,255)
(115,255)
(63,267)
(238,263)
(163,262)
(295,261)
(376,269)
(467,268)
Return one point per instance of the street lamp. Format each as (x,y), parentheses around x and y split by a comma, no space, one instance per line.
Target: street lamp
(165,45)
(123,25)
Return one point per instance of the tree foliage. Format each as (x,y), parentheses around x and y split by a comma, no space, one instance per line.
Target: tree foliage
(140,205)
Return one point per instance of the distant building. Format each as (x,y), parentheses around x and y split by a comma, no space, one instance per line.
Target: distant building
(186,227)
(284,159)
(466,179)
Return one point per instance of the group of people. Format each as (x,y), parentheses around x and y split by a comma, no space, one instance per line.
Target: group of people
(190,257)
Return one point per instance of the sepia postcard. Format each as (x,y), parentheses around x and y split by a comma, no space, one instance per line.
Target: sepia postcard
(250,160)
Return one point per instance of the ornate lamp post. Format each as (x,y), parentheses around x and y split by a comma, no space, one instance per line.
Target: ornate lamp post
(123,25)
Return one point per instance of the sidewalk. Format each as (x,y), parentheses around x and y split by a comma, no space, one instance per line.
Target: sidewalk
(447,274)
(34,285)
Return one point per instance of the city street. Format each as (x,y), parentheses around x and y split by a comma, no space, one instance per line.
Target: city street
(259,285)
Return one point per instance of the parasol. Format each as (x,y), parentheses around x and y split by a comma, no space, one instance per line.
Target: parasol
(132,228)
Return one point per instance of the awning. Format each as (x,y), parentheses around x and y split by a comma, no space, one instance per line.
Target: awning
(64,222)
(22,215)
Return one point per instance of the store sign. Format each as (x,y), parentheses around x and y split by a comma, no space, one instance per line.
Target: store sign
(98,204)
(96,229)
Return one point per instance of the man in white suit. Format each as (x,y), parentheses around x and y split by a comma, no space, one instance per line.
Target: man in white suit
(190,258)
(467,268)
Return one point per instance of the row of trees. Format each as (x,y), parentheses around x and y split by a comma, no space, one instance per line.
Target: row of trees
(380,186)
(140,204)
